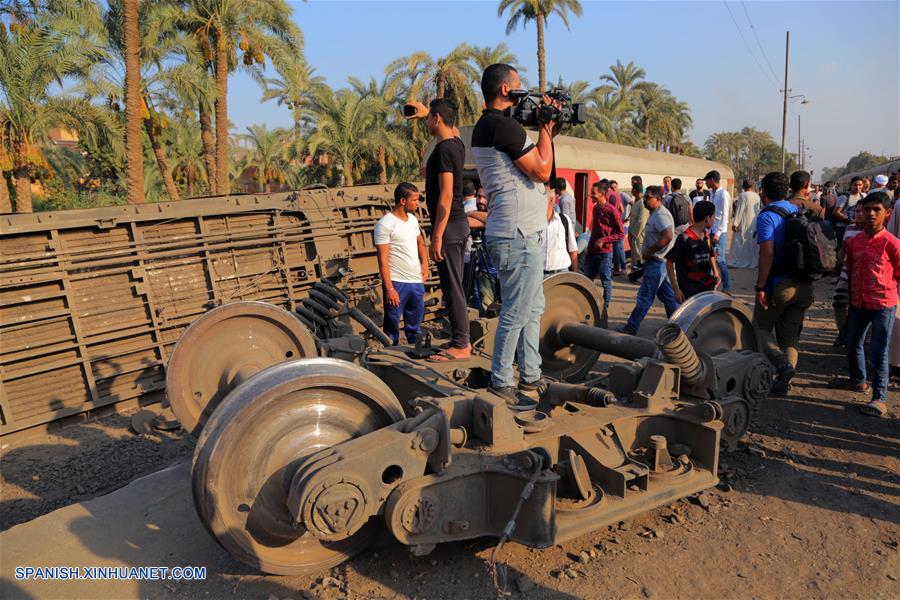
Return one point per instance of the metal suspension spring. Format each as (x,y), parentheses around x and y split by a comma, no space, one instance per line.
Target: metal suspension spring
(678,350)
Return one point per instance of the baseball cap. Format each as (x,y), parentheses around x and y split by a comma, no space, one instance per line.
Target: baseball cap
(881,179)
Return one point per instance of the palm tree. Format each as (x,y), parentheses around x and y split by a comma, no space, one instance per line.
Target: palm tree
(419,77)
(394,139)
(264,151)
(256,28)
(35,56)
(158,44)
(483,57)
(183,137)
(538,11)
(292,88)
(623,83)
(345,127)
(133,142)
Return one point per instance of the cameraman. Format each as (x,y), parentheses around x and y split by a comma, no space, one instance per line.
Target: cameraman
(513,172)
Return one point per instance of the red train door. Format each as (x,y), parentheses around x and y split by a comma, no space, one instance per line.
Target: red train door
(581,194)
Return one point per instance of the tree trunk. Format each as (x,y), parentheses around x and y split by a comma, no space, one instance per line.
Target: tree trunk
(647,131)
(382,167)
(160,154)
(134,181)
(22,175)
(441,86)
(223,185)
(5,201)
(348,172)
(209,147)
(542,69)
(189,176)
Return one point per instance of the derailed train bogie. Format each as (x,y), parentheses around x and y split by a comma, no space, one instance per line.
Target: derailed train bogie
(300,463)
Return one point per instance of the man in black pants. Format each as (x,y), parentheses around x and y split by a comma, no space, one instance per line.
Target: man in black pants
(450,228)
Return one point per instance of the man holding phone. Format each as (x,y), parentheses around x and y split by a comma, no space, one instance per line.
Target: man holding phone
(514,171)
(450,227)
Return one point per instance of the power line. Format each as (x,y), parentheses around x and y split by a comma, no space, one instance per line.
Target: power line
(761,49)
(749,49)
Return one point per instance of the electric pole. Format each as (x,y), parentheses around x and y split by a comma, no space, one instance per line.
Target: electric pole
(787,46)
(799,144)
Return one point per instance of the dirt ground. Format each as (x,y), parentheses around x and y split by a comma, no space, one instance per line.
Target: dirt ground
(809,507)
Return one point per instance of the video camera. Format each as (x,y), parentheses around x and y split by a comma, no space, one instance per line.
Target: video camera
(531,112)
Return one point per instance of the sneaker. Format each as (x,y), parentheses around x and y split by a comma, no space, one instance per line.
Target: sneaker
(514,400)
(533,386)
(782,384)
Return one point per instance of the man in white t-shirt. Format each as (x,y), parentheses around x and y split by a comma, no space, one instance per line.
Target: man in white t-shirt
(403,265)
(559,242)
(721,199)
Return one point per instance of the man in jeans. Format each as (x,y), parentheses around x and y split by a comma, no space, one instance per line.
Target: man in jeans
(873,264)
(403,265)
(659,237)
(720,197)
(606,229)
(781,300)
(513,172)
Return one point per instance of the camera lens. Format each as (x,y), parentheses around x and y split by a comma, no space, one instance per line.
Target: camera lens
(409,110)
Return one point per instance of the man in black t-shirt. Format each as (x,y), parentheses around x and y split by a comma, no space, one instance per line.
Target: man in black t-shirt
(450,228)
(691,261)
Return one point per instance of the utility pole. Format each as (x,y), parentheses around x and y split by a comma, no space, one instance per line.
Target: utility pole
(799,144)
(787,46)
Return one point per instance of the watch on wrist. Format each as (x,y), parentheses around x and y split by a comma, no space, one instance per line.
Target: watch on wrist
(759,289)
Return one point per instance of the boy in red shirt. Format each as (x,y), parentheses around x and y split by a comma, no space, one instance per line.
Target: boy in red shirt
(873,265)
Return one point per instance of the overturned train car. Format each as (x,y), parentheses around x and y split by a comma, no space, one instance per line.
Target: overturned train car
(92,301)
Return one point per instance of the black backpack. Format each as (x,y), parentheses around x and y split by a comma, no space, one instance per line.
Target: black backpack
(810,245)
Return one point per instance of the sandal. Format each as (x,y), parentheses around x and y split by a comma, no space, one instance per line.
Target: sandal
(875,408)
(844,383)
(442,356)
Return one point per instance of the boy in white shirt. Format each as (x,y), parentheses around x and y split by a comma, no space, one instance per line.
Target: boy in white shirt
(403,265)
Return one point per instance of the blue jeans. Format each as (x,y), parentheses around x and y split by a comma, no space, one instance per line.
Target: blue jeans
(619,255)
(411,307)
(721,258)
(858,323)
(654,283)
(600,263)
(520,267)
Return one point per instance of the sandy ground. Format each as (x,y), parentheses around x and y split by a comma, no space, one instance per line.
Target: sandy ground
(808,508)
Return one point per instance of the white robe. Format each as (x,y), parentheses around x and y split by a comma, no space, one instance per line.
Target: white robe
(893,226)
(744,253)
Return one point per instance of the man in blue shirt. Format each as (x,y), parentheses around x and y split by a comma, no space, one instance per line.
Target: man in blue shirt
(781,300)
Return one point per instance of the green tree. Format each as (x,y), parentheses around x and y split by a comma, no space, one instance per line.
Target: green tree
(419,76)
(34,57)
(394,142)
(255,28)
(483,57)
(183,138)
(345,127)
(264,151)
(539,11)
(624,83)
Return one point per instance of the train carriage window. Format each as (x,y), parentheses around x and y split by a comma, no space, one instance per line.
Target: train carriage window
(581,194)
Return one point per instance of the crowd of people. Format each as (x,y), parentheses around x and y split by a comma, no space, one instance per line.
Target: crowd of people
(499,240)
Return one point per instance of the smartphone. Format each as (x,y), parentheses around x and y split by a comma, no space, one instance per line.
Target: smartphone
(409,110)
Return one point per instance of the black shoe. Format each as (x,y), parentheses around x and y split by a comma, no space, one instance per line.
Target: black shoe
(626,330)
(782,385)
(514,400)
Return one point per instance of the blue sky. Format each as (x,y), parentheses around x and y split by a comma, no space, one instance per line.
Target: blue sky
(845,57)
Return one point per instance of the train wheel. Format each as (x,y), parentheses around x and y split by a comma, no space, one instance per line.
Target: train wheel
(226,346)
(715,323)
(249,449)
(568,298)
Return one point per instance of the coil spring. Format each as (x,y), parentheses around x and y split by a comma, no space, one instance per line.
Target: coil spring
(678,350)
